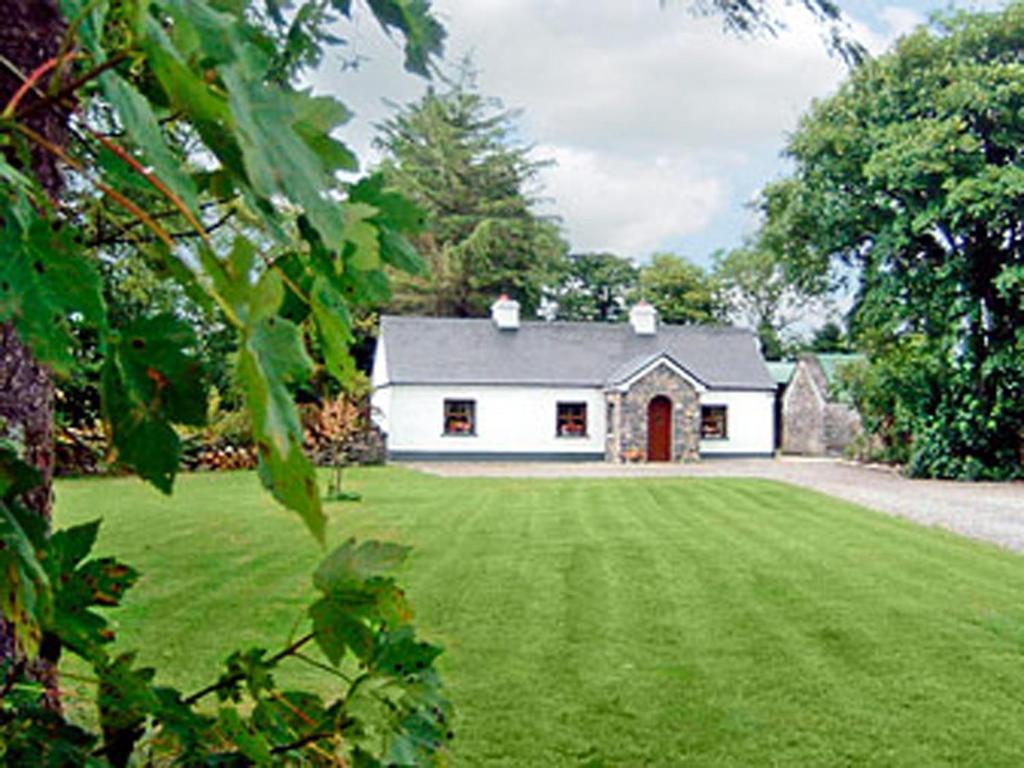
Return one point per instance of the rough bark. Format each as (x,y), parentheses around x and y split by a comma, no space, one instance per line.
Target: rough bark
(30,35)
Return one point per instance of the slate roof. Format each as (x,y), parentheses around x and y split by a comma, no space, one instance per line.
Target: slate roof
(424,350)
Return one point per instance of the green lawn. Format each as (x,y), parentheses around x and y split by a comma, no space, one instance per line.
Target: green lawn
(617,622)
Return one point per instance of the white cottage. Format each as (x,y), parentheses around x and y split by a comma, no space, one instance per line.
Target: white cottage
(503,389)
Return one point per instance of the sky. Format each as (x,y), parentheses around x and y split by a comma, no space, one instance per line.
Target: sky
(661,126)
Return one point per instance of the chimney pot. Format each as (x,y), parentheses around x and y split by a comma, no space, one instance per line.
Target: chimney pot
(644,319)
(505,313)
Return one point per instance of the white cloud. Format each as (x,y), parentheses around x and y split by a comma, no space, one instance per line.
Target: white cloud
(628,206)
(662,125)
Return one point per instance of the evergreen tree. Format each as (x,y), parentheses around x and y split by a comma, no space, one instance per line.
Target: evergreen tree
(454,154)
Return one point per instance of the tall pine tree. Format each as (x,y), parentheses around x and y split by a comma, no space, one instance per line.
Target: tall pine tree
(454,153)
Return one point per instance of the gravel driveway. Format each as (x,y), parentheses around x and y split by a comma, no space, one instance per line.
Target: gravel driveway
(989,511)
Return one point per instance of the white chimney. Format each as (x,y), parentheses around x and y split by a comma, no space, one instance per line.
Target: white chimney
(644,319)
(505,313)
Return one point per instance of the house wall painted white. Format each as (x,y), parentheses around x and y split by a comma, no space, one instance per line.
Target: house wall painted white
(514,419)
(509,419)
(750,422)
(380,396)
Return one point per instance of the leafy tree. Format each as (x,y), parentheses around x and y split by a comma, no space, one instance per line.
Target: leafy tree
(757,289)
(913,174)
(830,338)
(172,128)
(892,392)
(680,290)
(453,153)
(594,286)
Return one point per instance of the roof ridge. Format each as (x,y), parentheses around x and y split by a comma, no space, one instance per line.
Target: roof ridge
(696,327)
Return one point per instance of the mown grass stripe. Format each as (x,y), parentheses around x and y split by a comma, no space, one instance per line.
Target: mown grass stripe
(621,621)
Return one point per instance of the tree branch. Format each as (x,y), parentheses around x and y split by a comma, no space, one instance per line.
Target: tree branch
(68,90)
(305,741)
(237,678)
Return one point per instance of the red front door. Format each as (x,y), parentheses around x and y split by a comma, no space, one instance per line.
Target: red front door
(659,429)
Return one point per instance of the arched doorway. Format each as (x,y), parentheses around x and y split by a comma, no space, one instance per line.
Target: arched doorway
(659,429)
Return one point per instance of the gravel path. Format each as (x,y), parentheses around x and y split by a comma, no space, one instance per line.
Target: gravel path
(988,511)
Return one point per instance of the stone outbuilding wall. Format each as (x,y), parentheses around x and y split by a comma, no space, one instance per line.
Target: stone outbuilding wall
(842,424)
(812,423)
(627,438)
(803,409)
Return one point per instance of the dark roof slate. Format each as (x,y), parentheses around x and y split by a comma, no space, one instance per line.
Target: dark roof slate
(423,350)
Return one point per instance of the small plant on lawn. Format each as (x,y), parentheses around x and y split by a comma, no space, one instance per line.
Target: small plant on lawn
(166,134)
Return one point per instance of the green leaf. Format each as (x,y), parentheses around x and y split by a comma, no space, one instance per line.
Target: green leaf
(26,598)
(354,563)
(204,32)
(101,582)
(293,266)
(189,93)
(337,629)
(272,358)
(142,127)
(277,160)
(254,669)
(24,533)
(315,118)
(364,247)
(150,380)
(89,15)
(251,744)
(400,253)
(399,653)
(232,277)
(69,546)
(149,446)
(393,209)
(105,581)
(18,597)
(424,35)
(16,476)
(335,327)
(25,586)
(158,361)
(44,281)
(119,175)
(125,696)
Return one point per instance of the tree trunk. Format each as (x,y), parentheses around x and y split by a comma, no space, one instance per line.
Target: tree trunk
(30,35)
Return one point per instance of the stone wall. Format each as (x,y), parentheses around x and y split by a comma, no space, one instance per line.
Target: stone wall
(842,424)
(613,428)
(803,410)
(630,432)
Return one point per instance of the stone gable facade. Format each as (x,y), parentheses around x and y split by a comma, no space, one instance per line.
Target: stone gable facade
(803,409)
(814,425)
(627,411)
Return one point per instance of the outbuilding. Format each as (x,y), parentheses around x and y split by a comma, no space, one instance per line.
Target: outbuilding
(814,420)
